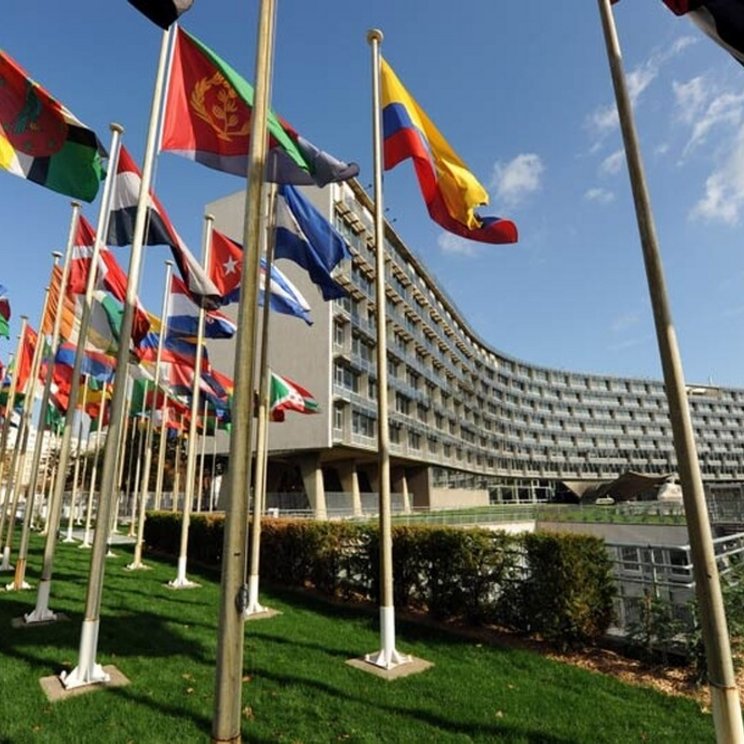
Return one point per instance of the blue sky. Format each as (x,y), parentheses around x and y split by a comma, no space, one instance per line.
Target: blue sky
(521,90)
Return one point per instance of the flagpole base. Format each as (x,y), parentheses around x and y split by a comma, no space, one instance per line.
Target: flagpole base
(85,545)
(387,657)
(136,566)
(5,565)
(253,607)
(87,672)
(42,613)
(69,539)
(17,587)
(181,582)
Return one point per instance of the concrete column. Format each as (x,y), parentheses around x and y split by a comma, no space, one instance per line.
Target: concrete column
(400,485)
(350,481)
(312,477)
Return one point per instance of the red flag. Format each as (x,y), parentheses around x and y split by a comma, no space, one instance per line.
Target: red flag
(23,370)
(225,264)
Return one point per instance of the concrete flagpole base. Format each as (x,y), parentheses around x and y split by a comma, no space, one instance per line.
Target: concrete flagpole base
(387,657)
(181,582)
(69,539)
(5,565)
(42,613)
(87,672)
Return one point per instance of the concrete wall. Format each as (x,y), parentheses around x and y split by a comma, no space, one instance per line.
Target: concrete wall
(639,534)
(447,498)
(297,350)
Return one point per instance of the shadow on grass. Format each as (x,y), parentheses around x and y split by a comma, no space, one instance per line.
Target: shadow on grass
(492,732)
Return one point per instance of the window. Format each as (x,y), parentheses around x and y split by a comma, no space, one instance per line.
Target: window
(414,440)
(362,424)
(338,418)
(338,333)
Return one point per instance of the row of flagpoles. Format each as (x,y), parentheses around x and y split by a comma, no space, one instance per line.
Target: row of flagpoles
(266,148)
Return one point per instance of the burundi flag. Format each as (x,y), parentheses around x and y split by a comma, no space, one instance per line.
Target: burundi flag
(4,313)
(208,119)
(450,190)
(42,141)
(289,396)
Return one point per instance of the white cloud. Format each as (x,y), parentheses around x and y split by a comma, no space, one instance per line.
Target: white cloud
(726,109)
(724,188)
(612,163)
(455,245)
(601,196)
(604,119)
(625,321)
(518,178)
(690,97)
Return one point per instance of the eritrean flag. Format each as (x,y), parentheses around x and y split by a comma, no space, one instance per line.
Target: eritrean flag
(207,118)
(289,396)
(450,190)
(42,141)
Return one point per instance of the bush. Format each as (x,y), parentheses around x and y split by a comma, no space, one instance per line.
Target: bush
(559,586)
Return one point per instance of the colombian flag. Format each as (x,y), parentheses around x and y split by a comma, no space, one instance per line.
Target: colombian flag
(450,190)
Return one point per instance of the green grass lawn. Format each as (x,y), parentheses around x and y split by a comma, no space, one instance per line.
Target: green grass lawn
(297,687)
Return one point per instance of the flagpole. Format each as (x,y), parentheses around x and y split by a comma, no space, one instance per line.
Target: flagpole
(19,450)
(138,468)
(6,424)
(162,445)
(177,467)
(94,471)
(181,582)
(76,472)
(726,704)
(10,481)
(200,491)
(22,439)
(137,563)
(254,606)
(44,407)
(88,671)
(226,721)
(388,657)
(12,364)
(214,466)
(41,612)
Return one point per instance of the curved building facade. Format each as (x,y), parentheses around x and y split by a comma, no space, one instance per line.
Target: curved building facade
(468,423)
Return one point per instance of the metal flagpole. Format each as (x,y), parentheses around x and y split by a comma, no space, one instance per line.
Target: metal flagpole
(387,657)
(200,482)
(181,582)
(94,471)
(229,666)
(50,489)
(22,439)
(177,467)
(88,671)
(84,474)
(722,680)
(254,606)
(42,613)
(6,425)
(12,364)
(162,445)
(44,407)
(212,494)
(137,563)
(76,471)
(138,468)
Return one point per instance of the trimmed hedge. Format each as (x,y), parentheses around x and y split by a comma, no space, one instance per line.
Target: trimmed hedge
(558,586)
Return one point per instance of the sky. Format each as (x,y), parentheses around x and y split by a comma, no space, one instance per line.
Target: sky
(521,91)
